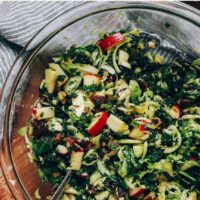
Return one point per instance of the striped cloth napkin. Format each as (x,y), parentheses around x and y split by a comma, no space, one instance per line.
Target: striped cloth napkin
(19,22)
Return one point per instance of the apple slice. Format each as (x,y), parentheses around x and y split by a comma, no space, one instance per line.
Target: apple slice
(89,79)
(116,124)
(78,103)
(136,192)
(50,79)
(71,197)
(100,93)
(111,41)
(138,132)
(62,95)
(61,83)
(61,149)
(175,112)
(43,113)
(98,123)
(83,175)
(138,150)
(149,197)
(76,159)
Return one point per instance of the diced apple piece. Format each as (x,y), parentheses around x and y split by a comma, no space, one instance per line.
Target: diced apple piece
(97,123)
(61,149)
(116,124)
(57,68)
(94,177)
(76,159)
(102,195)
(83,175)
(149,197)
(138,132)
(100,93)
(62,95)
(112,197)
(133,193)
(138,150)
(175,112)
(78,103)
(71,190)
(111,41)
(90,79)
(65,197)
(43,113)
(72,197)
(50,78)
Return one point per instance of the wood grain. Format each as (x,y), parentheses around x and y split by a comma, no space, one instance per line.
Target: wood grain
(4,190)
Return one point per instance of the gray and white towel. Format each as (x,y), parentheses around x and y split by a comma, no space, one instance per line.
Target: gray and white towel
(20,21)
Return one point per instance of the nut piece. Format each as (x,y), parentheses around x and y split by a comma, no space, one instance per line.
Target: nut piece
(151,44)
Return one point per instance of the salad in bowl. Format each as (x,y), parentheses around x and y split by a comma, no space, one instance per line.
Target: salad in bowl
(119,116)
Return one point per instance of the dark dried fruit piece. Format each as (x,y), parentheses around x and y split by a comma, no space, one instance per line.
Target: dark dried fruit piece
(98,100)
(143,84)
(184,103)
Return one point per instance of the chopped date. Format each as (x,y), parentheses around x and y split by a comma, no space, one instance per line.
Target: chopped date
(155,121)
(91,189)
(184,103)
(98,100)
(143,84)
(85,144)
(121,192)
(72,140)
(39,127)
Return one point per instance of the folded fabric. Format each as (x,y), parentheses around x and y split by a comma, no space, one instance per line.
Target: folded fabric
(20,21)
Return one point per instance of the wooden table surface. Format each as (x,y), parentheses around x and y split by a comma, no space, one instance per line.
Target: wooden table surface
(4,191)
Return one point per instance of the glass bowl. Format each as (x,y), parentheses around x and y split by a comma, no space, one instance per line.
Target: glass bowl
(176,24)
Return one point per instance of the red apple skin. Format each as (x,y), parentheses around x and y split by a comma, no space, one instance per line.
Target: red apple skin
(176,109)
(79,151)
(84,175)
(192,159)
(149,197)
(98,126)
(141,126)
(137,192)
(111,41)
(90,74)
(34,111)
(62,83)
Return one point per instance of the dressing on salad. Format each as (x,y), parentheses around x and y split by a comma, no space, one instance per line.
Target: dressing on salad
(125,123)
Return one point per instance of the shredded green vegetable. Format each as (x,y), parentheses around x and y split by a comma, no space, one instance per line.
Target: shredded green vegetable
(126,124)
